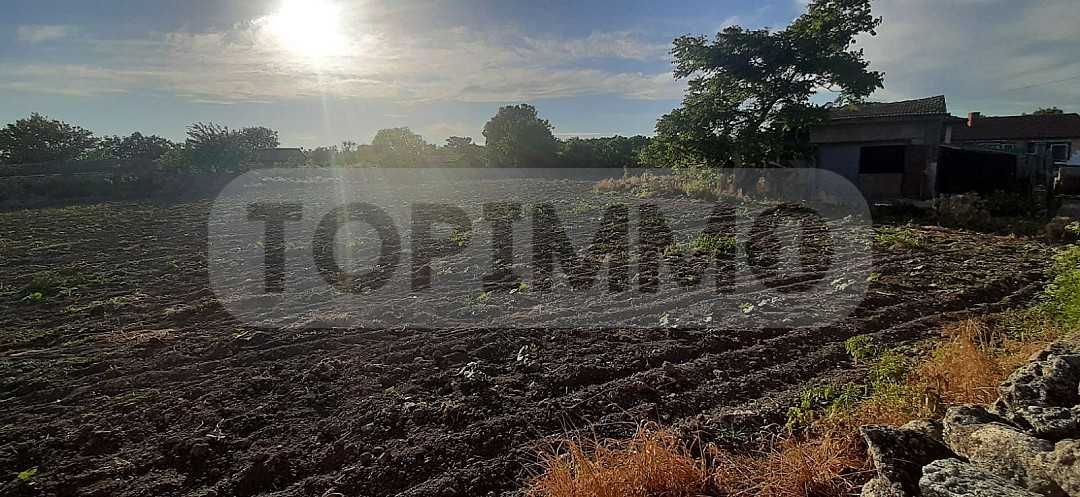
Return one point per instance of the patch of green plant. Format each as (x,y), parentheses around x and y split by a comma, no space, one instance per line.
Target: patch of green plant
(890,367)
(1073,229)
(57,281)
(705,244)
(861,348)
(1062,295)
(460,238)
(899,239)
(28,474)
(823,401)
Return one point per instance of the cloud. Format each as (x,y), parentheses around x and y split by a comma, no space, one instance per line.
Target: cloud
(34,34)
(247,63)
(994,56)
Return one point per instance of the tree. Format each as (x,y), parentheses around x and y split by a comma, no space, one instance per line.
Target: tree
(517,137)
(400,147)
(257,138)
(612,151)
(133,147)
(748,97)
(40,139)
(1046,111)
(216,147)
(462,152)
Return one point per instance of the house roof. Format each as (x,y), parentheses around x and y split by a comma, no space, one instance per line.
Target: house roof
(280,155)
(931,106)
(1020,127)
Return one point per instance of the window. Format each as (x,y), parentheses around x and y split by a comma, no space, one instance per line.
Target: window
(1059,151)
(882,160)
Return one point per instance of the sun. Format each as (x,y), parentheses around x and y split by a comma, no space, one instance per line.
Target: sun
(308,28)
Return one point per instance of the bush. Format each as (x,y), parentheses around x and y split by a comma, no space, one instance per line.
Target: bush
(961,211)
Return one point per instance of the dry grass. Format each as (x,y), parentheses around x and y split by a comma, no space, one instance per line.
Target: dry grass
(828,464)
(710,188)
(969,364)
(652,463)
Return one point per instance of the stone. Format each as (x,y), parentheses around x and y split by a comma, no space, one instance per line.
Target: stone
(900,454)
(929,427)
(1063,464)
(881,487)
(1051,423)
(999,448)
(953,478)
(1051,379)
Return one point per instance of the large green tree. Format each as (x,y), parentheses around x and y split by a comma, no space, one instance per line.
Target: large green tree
(400,147)
(215,147)
(517,137)
(40,139)
(462,152)
(748,100)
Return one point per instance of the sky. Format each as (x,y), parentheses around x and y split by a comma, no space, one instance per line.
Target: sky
(324,71)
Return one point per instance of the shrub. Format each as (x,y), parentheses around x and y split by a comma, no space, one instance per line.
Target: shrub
(960,211)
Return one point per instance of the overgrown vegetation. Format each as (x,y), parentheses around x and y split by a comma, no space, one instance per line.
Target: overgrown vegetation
(891,238)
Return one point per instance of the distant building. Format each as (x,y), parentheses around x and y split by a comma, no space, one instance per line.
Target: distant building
(1056,135)
(889,150)
(279,157)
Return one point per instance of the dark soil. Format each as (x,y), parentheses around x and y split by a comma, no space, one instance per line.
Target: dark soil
(127,377)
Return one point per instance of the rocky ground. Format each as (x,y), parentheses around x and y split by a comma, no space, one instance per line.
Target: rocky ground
(1026,444)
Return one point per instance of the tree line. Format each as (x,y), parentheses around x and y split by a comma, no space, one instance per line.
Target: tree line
(516,136)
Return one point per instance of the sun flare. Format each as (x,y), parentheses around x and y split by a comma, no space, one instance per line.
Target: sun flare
(308,28)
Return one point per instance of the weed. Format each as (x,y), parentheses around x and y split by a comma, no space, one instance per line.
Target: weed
(460,238)
(899,239)
(28,474)
(860,347)
(1062,296)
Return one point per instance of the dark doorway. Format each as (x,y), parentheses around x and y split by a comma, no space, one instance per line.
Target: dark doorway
(886,159)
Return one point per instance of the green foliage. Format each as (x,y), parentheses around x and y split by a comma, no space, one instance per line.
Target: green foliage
(28,474)
(748,97)
(860,347)
(40,139)
(517,137)
(824,401)
(462,152)
(460,238)
(887,386)
(133,147)
(706,243)
(1063,293)
(212,147)
(890,367)
(400,147)
(898,239)
(614,151)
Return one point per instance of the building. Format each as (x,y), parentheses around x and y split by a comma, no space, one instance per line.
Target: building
(889,150)
(1056,135)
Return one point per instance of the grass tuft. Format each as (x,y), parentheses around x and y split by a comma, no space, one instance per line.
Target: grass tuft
(651,463)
